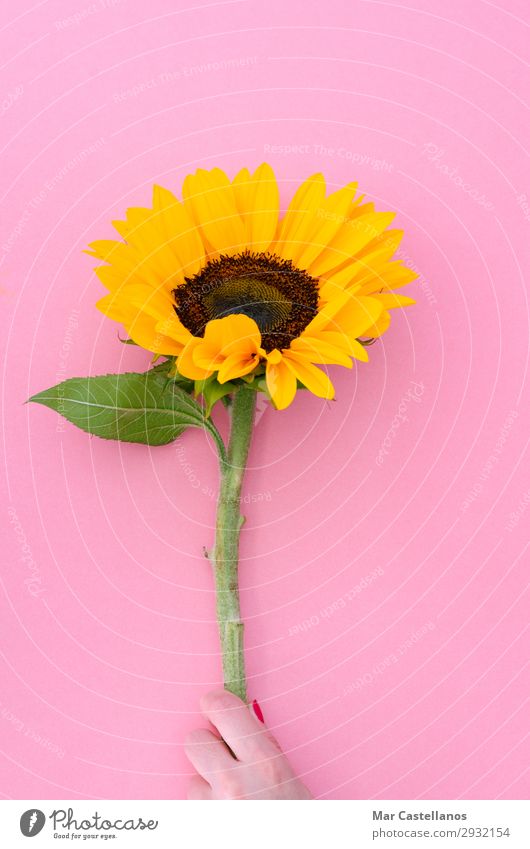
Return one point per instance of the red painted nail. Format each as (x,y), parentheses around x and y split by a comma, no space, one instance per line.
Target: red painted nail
(257,710)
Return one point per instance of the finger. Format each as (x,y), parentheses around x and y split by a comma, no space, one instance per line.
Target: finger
(199,789)
(245,735)
(207,753)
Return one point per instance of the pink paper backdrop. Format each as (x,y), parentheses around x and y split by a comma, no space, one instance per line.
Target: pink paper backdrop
(384,558)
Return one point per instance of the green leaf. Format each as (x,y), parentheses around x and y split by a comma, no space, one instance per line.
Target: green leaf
(212,391)
(161,368)
(167,368)
(146,408)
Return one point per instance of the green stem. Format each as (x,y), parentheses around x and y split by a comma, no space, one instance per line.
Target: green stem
(226,550)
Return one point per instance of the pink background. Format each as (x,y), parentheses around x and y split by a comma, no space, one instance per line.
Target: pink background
(411,684)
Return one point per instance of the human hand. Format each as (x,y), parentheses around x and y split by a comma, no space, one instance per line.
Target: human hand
(259,769)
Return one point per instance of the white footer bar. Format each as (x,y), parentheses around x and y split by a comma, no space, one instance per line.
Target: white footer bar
(266,825)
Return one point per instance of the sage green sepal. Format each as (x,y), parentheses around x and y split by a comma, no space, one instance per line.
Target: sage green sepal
(212,391)
(146,408)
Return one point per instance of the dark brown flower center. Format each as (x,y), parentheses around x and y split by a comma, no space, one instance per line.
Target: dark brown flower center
(281,298)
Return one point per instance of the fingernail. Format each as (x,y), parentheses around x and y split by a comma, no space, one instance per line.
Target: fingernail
(257,710)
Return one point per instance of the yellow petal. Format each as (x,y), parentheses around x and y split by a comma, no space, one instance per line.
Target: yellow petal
(393,275)
(358,351)
(299,218)
(209,197)
(264,207)
(112,278)
(206,357)
(149,253)
(274,356)
(378,328)
(237,365)
(383,247)
(348,314)
(328,220)
(182,235)
(235,338)
(391,301)
(142,329)
(347,343)
(112,308)
(122,257)
(140,326)
(147,337)
(310,375)
(258,201)
(232,334)
(155,302)
(122,227)
(172,327)
(351,238)
(281,382)
(336,282)
(186,364)
(326,312)
(147,234)
(242,190)
(104,249)
(322,349)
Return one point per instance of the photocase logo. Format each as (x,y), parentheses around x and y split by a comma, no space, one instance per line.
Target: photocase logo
(31,822)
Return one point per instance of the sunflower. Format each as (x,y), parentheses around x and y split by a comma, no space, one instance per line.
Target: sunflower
(233,291)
